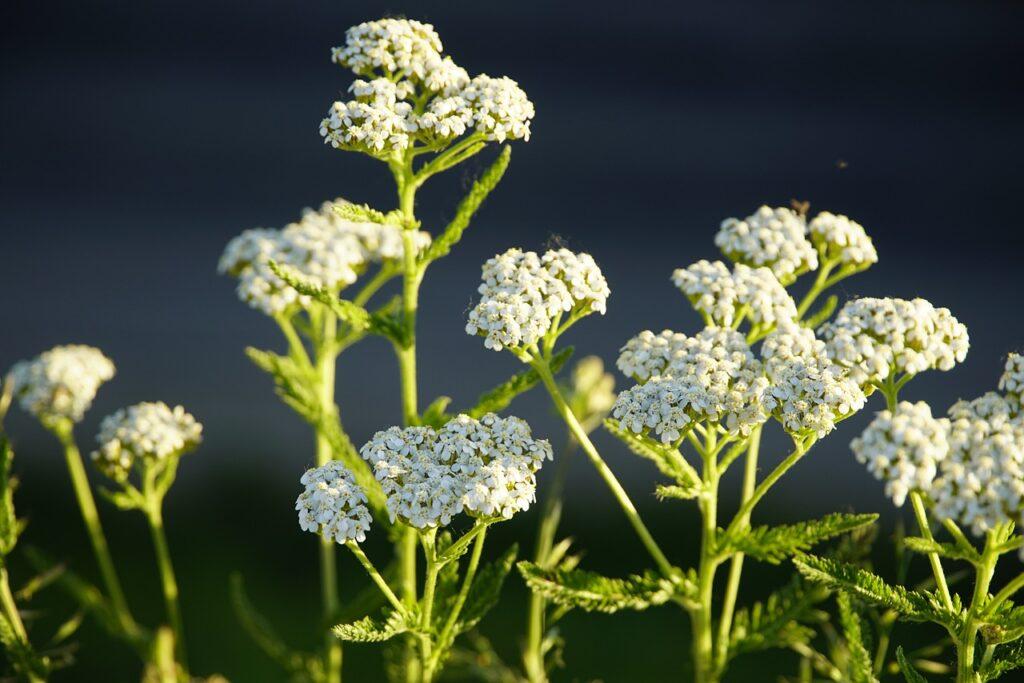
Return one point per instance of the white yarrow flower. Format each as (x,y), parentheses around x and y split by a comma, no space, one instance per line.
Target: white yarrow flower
(61,382)
(522,294)
(776,238)
(843,239)
(981,483)
(500,109)
(390,47)
(332,504)
(145,432)
(810,393)
(723,296)
(486,467)
(1012,381)
(903,448)
(875,337)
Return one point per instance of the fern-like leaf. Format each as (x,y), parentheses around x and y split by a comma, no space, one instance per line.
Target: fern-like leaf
(486,589)
(593,592)
(441,246)
(910,674)
(371,630)
(774,544)
(662,456)
(777,622)
(871,588)
(677,492)
(952,551)
(498,398)
(859,669)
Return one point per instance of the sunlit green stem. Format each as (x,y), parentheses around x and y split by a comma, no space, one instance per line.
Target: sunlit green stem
(551,514)
(168,583)
(375,575)
(736,568)
(64,431)
(429,590)
(703,638)
(966,639)
(580,434)
(933,558)
(445,638)
(819,286)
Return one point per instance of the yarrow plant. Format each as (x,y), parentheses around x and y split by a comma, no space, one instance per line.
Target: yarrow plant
(139,448)
(769,354)
(962,471)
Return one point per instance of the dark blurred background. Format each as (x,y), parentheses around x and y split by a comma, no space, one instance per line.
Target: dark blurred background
(138,138)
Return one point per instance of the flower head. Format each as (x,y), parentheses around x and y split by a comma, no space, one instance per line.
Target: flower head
(1012,381)
(981,483)
(725,297)
(875,337)
(332,504)
(672,353)
(522,295)
(715,379)
(144,433)
(592,392)
(377,122)
(809,392)
(500,109)
(321,247)
(403,47)
(838,237)
(776,238)
(903,448)
(486,467)
(61,382)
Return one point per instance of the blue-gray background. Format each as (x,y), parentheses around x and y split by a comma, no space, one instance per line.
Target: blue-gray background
(137,138)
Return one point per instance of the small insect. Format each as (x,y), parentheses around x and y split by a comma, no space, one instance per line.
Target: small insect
(801,207)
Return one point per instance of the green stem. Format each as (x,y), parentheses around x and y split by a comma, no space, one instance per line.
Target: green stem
(168,583)
(933,558)
(1007,592)
(736,568)
(446,636)
(22,657)
(703,640)
(816,289)
(551,514)
(429,590)
(375,576)
(87,505)
(326,369)
(966,640)
(544,370)
(801,449)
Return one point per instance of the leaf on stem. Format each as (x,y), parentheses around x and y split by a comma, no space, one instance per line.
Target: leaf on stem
(664,492)
(262,633)
(777,622)
(859,665)
(951,551)
(593,592)
(908,671)
(663,457)
(441,246)
(498,398)
(357,317)
(871,588)
(371,630)
(774,544)
(486,589)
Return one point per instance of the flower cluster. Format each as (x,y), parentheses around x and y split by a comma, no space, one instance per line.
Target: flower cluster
(724,297)
(486,467)
(332,504)
(981,483)
(147,432)
(874,338)
(809,393)
(715,378)
(673,353)
(321,247)
(1012,381)
(523,295)
(61,382)
(903,448)
(776,238)
(414,94)
(592,391)
(841,239)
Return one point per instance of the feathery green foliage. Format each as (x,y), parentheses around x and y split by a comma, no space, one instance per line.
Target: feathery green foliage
(774,544)
(778,621)
(663,457)
(371,630)
(497,399)
(907,669)
(860,666)
(952,551)
(486,589)
(593,592)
